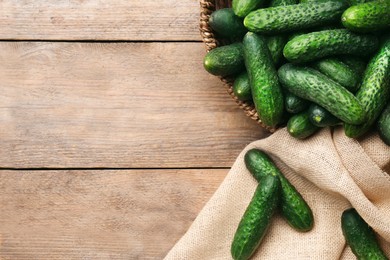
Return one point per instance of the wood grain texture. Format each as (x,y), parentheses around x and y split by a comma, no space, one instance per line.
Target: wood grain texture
(120,214)
(100,20)
(133,105)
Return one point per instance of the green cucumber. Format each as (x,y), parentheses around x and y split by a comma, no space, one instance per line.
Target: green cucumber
(315,45)
(356,2)
(256,219)
(226,24)
(384,125)
(289,18)
(243,7)
(360,236)
(374,91)
(225,60)
(294,104)
(266,91)
(276,43)
(312,85)
(355,63)
(293,207)
(367,17)
(300,126)
(340,72)
(321,117)
(242,88)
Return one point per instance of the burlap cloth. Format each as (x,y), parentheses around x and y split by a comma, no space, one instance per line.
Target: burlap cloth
(331,171)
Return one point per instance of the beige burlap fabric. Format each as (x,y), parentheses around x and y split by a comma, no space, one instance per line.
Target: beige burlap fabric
(331,171)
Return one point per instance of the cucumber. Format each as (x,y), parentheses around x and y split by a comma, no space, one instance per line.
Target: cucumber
(266,91)
(375,90)
(360,236)
(312,85)
(289,18)
(300,126)
(242,88)
(275,45)
(294,104)
(256,219)
(243,7)
(320,117)
(356,2)
(226,24)
(225,60)
(339,72)
(276,42)
(315,45)
(355,63)
(293,207)
(384,125)
(367,17)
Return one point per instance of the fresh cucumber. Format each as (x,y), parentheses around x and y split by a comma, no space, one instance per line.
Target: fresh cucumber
(360,236)
(320,117)
(312,85)
(293,207)
(256,219)
(355,63)
(367,17)
(300,126)
(338,71)
(294,104)
(266,91)
(384,125)
(356,2)
(242,88)
(243,7)
(315,45)
(276,42)
(374,91)
(225,60)
(226,24)
(289,18)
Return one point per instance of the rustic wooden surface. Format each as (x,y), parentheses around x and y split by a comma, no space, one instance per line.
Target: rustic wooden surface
(108,149)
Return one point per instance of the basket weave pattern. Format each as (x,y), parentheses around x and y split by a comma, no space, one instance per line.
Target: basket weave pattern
(211,42)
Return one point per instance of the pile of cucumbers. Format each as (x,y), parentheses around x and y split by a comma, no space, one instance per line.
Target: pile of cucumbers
(275,193)
(308,64)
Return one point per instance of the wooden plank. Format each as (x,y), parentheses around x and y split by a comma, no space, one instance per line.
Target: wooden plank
(137,214)
(132,105)
(100,20)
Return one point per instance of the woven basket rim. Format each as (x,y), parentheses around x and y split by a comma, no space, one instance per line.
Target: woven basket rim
(211,42)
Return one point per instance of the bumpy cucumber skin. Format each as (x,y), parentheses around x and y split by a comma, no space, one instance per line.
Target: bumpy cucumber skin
(256,219)
(374,91)
(243,7)
(294,17)
(266,91)
(384,125)
(242,88)
(367,17)
(320,117)
(339,72)
(300,126)
(360,236)
(226,24)
(356,2)
(276,42)
(355,63)
(293,207)
(312,85)
(294,104)
(225,60)
(316,45)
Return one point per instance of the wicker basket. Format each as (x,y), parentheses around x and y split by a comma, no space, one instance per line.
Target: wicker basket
(206,8)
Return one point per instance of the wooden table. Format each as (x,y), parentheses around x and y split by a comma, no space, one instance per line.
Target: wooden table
(113,136)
